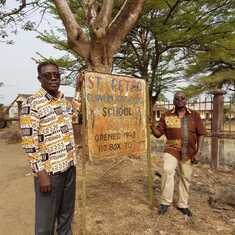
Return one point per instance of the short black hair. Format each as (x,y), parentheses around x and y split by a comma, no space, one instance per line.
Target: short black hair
(40,65)
(179,92)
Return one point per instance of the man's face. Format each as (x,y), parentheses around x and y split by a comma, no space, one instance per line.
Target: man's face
(49,77)
(180,100)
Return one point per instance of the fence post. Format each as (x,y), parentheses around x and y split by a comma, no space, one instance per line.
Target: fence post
(217,125)
(19,107)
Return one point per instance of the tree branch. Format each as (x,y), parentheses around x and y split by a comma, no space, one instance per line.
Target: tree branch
(103,19)
(15,11)
(207,14)
(172,9)
(76,37)
(168,4)
(90,11)
(136,53)
(123,23)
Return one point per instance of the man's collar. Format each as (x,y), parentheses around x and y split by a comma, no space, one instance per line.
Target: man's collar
(43,92)
(187,110)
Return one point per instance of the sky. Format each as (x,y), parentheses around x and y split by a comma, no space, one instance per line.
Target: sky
(18,71)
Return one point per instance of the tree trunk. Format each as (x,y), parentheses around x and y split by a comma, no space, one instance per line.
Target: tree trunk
(99,60)
(106,34)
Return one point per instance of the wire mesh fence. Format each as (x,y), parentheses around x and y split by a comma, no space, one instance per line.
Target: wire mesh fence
(219,120)
(205,107)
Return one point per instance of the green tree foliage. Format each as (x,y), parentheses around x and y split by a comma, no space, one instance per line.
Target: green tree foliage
(94,30)
(170,35)
(167,41)
(172,40)
(213,70)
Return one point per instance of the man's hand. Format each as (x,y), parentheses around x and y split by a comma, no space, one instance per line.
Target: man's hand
(44,182)
(155,131)
(79,82)
(150,122)
(196,158)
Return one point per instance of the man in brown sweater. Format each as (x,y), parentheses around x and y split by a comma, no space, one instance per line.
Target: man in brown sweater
(184,131)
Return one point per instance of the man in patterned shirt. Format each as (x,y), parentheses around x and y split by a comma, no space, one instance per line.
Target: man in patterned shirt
(184,132)
(48,140)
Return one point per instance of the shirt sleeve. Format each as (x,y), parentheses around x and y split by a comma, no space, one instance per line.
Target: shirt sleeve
(200,128)
(29,123)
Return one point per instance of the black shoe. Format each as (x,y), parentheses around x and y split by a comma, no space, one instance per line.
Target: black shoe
(185,211)
(163,209)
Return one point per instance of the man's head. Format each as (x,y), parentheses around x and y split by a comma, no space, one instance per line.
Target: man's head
(49,77)
(179,100)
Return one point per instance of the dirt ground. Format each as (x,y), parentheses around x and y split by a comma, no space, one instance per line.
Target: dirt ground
(117,199)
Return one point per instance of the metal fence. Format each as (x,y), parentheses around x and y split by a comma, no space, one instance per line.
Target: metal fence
(205,107)
(218,115)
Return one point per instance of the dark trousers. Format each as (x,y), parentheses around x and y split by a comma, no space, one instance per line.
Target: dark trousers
(56,206)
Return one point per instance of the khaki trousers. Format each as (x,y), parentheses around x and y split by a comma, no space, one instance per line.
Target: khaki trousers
(167,186)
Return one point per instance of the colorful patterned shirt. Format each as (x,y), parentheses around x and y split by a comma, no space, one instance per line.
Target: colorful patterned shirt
(181,133)
(47,132)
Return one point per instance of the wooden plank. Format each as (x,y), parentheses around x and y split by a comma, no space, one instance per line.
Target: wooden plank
(115,114)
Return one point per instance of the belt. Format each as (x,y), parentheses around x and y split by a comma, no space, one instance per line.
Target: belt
(60,172)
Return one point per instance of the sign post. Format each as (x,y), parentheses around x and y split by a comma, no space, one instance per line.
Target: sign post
(115,123)
(116,116)
(148,151)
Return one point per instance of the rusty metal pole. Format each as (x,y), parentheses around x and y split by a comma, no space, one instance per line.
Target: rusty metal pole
(217,124)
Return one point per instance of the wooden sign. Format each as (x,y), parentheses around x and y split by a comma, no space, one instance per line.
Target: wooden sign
(115,114)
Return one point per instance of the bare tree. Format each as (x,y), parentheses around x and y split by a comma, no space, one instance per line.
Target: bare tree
(15,11)
(102,35)
(106,33)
